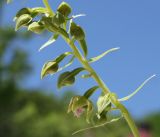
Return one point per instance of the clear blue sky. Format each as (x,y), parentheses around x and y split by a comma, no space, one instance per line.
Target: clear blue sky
(134,26)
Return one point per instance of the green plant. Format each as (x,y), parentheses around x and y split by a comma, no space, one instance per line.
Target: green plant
(57,23)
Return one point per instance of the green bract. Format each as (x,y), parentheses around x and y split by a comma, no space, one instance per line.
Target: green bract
(23,20)
(65,9)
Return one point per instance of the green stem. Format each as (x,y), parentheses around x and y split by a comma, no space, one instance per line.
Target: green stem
(104,88)
(129,119)
(48,7)
(87,66)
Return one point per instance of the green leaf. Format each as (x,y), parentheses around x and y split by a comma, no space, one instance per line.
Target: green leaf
(102,55)
(138,89)
(49,42)
(68,64)
(90,91)
(84,46)
(68,78)
(50,67)
(62,56)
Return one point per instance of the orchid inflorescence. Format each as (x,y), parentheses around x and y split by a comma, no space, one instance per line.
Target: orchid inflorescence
(58,23)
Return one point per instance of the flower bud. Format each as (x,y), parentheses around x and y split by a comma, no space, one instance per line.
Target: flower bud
(50,67)
(36,27)
(48,23)
(58,19)
(65,9)
(78,105)
(23,20)
(76,31)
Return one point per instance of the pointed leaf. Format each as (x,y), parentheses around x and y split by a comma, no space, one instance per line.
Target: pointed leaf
(68,64)
(90,91)
(62,56)
(84,46)
(50,41)
(77,71)
(102,55)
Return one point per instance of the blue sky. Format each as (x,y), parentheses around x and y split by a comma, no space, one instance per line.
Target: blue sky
(134,26)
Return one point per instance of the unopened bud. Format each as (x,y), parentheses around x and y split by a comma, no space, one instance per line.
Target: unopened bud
(58,19)
(23,20)
(36,27)
(76,31)
(65,9)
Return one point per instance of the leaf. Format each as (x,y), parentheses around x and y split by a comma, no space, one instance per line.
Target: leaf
(99,125)
(68,64)
(90,91)
(77,16)
(102,55)
(62,56)
(50,41)
(138,89)
(84,46)
(68,78)
(50,67)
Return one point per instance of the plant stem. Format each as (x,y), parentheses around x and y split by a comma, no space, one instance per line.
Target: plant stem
(87,66)
(48,7)
(104,88)
(129,119)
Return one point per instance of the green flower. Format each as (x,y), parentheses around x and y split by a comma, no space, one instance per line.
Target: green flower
(79,104)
